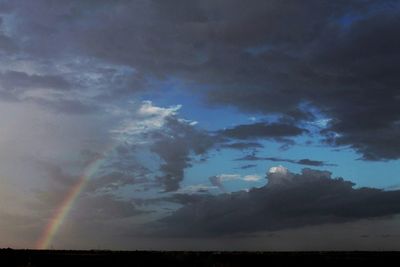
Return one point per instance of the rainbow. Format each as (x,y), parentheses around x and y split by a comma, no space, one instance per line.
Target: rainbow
(64,208)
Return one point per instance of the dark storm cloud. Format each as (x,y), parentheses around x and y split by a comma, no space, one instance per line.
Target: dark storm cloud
(308,162)
(340,57)
(186,199)
(349,73)
(175,143)
(179,198)
(292,200)
(262,130)
(311,162)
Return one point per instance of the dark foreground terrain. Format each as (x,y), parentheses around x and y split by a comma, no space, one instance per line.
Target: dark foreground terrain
(10,257)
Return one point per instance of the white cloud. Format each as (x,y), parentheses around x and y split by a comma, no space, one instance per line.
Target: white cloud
(252,178)
(147,109)
(146,118)
(278,170)
(160,131)
(228,177)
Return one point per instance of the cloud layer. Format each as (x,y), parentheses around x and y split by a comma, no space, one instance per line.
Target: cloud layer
(288,201)
(267,57)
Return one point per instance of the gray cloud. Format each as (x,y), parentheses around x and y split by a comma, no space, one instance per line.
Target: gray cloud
(217,181)
(175,144)
(308,162)
(292,200)
(248,166)
(7,45)
(14,83)
(69,106)
(14,80)
(311,162)
(113,181)
(262,130)
(179,198)
(99,199)
(268,57)
(106,207)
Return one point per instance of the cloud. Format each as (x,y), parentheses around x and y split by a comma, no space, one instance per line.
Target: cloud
(330,72)
(252,178)
(173,139)
(271,59)
(7,45)
(17,80)
(113,181)
(262,130)
(62,105)
(218,180)
(288,201)
(177,141)
(106,207)
(99,199)
(192,190)
(14,84)
(308,162)
(190,194)
(248,166)
(263,58)
(145,119)
(311,162)
(185,199)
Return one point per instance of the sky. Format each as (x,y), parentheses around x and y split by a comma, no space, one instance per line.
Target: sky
(200,125)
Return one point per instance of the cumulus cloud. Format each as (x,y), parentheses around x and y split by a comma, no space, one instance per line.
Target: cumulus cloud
(289,200)
(279,176)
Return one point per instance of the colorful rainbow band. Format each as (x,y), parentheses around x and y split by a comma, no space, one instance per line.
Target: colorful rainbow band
(64,208)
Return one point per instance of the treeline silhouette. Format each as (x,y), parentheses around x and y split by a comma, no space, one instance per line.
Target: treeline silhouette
(39,258)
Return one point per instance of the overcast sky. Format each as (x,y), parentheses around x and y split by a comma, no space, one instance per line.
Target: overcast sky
(201,124)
